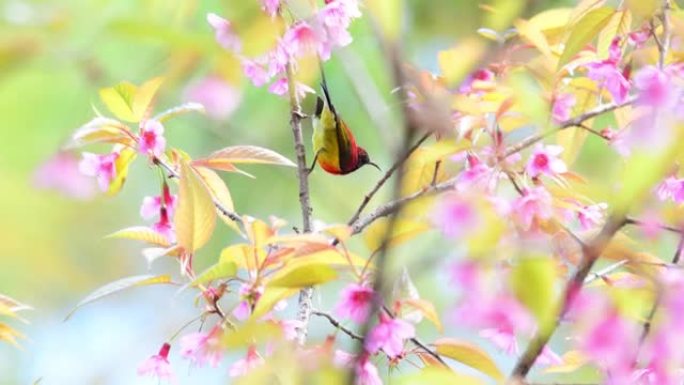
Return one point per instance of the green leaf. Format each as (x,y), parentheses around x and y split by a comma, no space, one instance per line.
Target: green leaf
(126,157)
(388,15)
(226,158)
(119,285)
(533,280)
(501,13)
(303,276)
(141,233)
(119,100)
(218,271)
(438,375)
(586,29)
(195,217)
(469,355)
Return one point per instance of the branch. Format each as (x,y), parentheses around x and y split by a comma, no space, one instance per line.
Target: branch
(591,253)
(222,209)
(395,205)
(639,222)
(574,122)
(664,46)
(306,294)
(386,177)
(334,322)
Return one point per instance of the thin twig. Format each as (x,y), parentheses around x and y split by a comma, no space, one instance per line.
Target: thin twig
(601,274)
(306,294)
(222,209)
(334,322)
(590,254)
(642,223)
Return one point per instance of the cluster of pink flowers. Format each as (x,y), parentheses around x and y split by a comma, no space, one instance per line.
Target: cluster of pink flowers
(326,29)
(608,75)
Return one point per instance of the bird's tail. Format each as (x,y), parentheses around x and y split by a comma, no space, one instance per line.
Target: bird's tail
(324,85)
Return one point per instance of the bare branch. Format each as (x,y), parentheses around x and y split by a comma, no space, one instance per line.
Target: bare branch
(334,322)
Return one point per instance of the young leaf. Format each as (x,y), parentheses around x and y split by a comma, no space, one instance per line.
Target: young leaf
(403,231)
(218,271)
(119,285)
(195,217)
(141,233)
(586,29)
(9,335)
(533,280)
(119,100)
(271,296)
(469,355)
(303,276)
(126,157)
(438,375)
(218,189)
(427,309)
(100,130)
(144,95)
(183,109)
(226,158)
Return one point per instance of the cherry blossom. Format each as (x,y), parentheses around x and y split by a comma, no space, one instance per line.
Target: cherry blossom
(158,365)
(245,365)
(61,173)
(218,98)
(544,160)
(103,167)
(355,302)
(224,33)
(256,71)
(590,216)
(607,74)
(366,372)
(456,216)
(562,107)
(655,87)
(271,7)
(152,139)
(201,348)
(389,335)
(533,206)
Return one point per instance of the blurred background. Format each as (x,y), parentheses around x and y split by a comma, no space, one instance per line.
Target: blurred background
(54,56)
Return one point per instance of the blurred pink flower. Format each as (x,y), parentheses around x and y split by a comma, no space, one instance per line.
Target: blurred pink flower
(164,226)
(639,37)
(219,98)
(334,17)
(152,206)
(342,359)
(152,138)
(590,216)
(355,302)
(243,366)
(617,141)
(389,335)
(242,311)
(271,7)
(279,87)
(224,33)
(455,216)
(303,39)
(158,365)
(562,107)
(533,206)
(655,87)
(671,188)
(548,357)
(481,75)
(61,173)
(607,74)
(366,372)
(289,328)
(544,160)
(256,71)
(100,166)
(201,348)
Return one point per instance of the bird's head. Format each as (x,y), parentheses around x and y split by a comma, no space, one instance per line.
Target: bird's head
(365,159)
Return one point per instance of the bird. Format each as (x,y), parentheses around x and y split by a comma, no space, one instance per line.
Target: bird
(334,144)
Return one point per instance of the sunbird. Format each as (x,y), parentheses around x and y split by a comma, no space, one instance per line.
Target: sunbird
(334,145)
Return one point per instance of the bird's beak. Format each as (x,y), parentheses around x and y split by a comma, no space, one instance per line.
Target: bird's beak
(375,165)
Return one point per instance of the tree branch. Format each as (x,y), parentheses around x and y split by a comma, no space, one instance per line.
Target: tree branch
(306,294)
(334,322)
(591,253)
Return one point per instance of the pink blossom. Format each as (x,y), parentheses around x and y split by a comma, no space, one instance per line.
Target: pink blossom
(201,348)
(611,342)
(638,38)
(590,216)
(455,216)
(607,74)
(562,107)
(533,206)
(164,226)
(218,98)
(389,335)
(671,188)
(618,141)
(158,365)
(289,328)
(355,302)
(271,7)
(279,87)
(245,365)
(502,338)
(342,359)
(103,167)
(152,138)
(224,33)
(256,72)
(548,357)
(278,59)
(151,206)
(470,83)
(655,87)
(544,160)
(335,19)
(60,173)
(366,372)
(302,38)
(242,311)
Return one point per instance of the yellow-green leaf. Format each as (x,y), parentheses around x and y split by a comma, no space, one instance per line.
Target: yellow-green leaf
(126,157)
(271,296)
(403,231)
(218,189)
(144,95)
(427,309)
(643,8)
(226,158)
(195,217)
(101,130)
(183,109)
(9,335)
(141,233)
(457,62)
(469,355)
(119,100)
(571,361)
(251,333)
(439,376)
(533,280)
(119,285)
(388,15)
(220,270)
(303,276)
(501,13)
(586,29)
